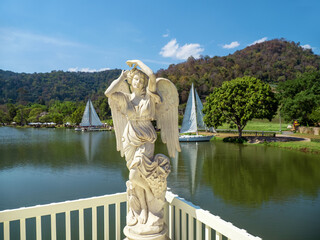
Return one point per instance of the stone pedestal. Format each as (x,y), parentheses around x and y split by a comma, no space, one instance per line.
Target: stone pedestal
(131,235)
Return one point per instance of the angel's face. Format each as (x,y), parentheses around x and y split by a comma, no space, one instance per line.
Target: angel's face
(137,82)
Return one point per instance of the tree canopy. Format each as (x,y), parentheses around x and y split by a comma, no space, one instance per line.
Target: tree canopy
(271,61)
(239,101)
(300,98)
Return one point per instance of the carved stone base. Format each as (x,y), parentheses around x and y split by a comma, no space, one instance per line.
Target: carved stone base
(130,235)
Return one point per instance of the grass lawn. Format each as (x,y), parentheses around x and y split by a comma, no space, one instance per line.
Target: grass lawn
(261,125)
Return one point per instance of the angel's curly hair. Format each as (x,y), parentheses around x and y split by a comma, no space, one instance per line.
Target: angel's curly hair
(134,72)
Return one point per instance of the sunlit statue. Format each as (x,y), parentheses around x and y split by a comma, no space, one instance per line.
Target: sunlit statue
(136,99)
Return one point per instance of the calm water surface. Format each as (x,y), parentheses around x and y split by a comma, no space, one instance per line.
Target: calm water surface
(272,193)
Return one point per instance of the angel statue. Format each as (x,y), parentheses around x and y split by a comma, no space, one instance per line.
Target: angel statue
(136,99)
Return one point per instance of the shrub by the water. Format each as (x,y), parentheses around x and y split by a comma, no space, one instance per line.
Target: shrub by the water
(235,140)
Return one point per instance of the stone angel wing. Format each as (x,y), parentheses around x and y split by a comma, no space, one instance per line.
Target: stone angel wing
(167,115)
(118,116)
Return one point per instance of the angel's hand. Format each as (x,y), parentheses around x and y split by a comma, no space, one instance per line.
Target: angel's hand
(133,62)
(124,74)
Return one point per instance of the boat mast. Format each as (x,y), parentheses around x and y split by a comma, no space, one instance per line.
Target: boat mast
(90,117)
(195,108)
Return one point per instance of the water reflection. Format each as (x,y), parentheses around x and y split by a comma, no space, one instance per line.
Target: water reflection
(192,155)
(248,175)
(247,185)
(91,143)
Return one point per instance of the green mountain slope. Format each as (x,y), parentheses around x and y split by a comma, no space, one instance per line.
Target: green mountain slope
(272,61)
(56,85)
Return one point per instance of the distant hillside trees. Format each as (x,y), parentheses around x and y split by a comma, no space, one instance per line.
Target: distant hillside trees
(56,111)
(238,101)
(300,98)
(272,62)
(24,88)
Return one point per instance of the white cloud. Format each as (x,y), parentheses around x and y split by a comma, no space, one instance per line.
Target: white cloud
(307,46)
(259,41)
(231,45)
(76,69)
(165,35)
(173,50)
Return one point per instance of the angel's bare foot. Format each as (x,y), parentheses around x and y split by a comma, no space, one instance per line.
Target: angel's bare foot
(143,216)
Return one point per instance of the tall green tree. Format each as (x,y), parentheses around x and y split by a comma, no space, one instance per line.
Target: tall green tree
(300,98)
(76,116)
(238,101)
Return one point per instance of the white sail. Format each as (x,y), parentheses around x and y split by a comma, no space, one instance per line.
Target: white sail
(90,117)
(189,123)
(193,116)
(200,123)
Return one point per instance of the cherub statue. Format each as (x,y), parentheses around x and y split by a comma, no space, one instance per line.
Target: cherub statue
(136,99)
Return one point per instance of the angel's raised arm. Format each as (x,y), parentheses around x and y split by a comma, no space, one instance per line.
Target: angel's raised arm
(115,85)
(152,78)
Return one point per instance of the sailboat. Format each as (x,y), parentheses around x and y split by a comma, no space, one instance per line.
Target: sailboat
(193,120)
(90,120)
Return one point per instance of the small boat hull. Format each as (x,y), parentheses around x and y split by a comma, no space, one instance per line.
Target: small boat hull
(195,138)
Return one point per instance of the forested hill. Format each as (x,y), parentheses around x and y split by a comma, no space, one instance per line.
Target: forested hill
(56,85)
(271,61)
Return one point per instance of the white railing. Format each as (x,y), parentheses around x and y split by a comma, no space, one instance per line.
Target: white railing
(185,221)
(22,214)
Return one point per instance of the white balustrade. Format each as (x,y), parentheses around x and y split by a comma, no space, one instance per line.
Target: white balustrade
(184,220)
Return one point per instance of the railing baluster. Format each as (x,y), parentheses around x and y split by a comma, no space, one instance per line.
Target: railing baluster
(38,227)
(118,233)
(22,229)
(183,224)
(218,236)
(94,223)
(81,224)
(177,227)
(191,230)
(53,227)
(208,233)
(6,229)
(106,222)
(199,229)
(68,228)
(171,221)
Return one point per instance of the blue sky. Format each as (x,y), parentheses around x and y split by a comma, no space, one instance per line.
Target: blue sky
(69,35)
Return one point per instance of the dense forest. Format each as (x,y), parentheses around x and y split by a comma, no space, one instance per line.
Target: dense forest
(45,96)
(272,61)
(24,88)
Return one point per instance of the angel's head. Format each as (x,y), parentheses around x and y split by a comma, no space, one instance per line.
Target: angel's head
(137,79)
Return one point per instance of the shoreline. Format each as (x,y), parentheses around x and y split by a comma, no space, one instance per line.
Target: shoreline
(298,143)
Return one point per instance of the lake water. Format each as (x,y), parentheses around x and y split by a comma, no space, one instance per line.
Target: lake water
(270,192)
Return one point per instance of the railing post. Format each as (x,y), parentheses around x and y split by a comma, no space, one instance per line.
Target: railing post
(106,222)
(208,233)
(117,220)
(6,229)
(218,236)
(94,223)
(81,224)
(171,221)
(191,229)
(53,227)
(177,225)
(199,230)
(38,227)
(68,228)
(183,224)
(23,229)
